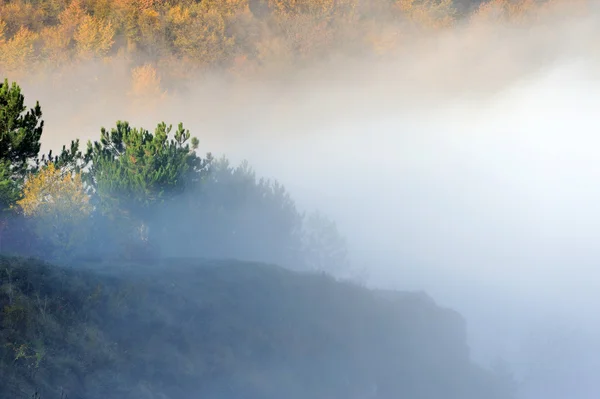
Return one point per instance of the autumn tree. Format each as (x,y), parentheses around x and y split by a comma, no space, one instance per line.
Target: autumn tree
(525,11)
(152,32)
(199,32)
(307,29)
(94,37)
(428,13)
(18,14)
(146,92)
(57,203)
(2,32)
(18,52)
(56,42)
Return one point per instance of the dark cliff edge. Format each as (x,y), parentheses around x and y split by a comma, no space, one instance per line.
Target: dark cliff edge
(191,329)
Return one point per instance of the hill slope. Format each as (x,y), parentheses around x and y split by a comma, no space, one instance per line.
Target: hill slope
(198,329)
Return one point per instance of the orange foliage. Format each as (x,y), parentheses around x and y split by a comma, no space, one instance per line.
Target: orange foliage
(182,36)
(93,37)
(55,191)
(200,33)
(56,42)
(18,52)
(226,8)
(146,92)
(19,14)
(145,82)
(316,8)
(57,202)
(71,17)
(428,13)
(2,32)
(521,11)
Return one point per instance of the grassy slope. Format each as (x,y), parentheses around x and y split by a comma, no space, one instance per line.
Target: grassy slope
(198,329)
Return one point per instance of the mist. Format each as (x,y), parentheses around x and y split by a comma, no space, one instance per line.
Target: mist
(464,167)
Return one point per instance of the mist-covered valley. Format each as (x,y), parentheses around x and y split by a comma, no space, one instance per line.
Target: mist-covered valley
(461,164)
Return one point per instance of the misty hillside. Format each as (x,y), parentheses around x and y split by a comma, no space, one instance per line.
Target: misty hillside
(437,133)
(200,329)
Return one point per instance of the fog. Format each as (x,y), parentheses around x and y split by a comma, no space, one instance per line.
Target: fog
(465,167)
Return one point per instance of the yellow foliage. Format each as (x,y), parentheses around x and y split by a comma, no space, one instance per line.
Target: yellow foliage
(145,82)
(428,13)
(316,8)
(200,33)
(191,34)
(55,191)
(94,37)
(56,42)
(149,21)
(102,9)
(72,16)
(57,202)
(151,29)
(178,15)
(17,14)
(308,29)
(134,5)
(146,92)
(512,11)
(146,4)
(227,8)
(52,8)
(526,11)
(2,32)
(126,15)
(18,52)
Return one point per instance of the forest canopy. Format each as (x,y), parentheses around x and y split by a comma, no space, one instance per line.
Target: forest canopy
(165,42)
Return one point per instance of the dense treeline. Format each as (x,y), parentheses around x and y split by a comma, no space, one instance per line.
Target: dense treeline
(178,38)
(134,193)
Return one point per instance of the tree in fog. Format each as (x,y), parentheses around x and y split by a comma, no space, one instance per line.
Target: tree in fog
(56,202)
(230,213)
(143,185)
(324,248)
(234,214)
(132,170)
(20,133)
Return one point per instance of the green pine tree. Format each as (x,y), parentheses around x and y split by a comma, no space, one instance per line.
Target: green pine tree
(131,169)
(20,134)
(20,130)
